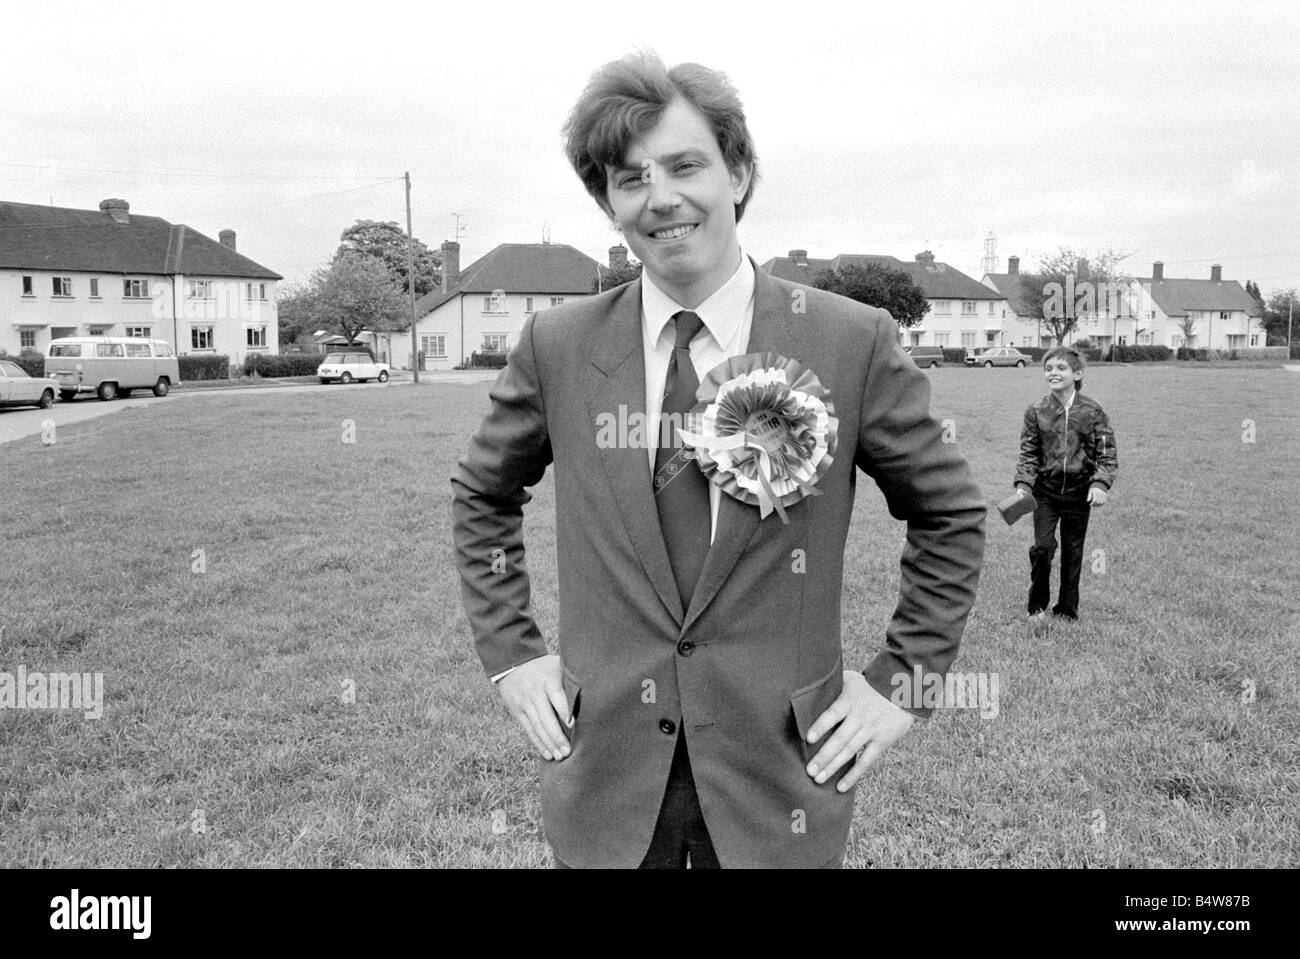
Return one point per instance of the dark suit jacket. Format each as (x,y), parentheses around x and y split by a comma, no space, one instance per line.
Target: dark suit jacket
(757,656)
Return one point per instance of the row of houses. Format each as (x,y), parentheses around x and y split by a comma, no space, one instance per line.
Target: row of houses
(66,272)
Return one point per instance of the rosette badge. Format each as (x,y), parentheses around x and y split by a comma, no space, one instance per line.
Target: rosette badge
(765,431)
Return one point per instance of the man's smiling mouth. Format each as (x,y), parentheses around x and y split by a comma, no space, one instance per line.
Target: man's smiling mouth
(674,232)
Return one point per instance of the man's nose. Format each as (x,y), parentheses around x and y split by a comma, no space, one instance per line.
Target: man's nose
(662,196)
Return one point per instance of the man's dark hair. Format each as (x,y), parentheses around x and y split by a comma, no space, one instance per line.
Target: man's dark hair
(625,99)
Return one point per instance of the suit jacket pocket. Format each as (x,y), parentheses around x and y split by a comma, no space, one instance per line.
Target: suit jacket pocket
(572,693)
(810,702)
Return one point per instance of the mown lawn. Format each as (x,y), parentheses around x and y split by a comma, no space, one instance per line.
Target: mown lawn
(228,737)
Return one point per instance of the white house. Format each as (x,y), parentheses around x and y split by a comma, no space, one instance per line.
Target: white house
(963,311)
(483,309)
(67,272)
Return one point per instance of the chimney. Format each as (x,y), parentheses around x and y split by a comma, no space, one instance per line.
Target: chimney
(1216,273)
(925,257)
(1013,265)
(800,257)
(450,264)
(119,210)
(617,257)
(1157,270)
(227,238)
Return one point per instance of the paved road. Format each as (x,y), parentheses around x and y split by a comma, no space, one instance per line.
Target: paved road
(16,424)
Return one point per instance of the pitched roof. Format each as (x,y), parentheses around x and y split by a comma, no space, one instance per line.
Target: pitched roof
(1020,300)
(35,237)
(1175,297)
(938,281)
(544,268)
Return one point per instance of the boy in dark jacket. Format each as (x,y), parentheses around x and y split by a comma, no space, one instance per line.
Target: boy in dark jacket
(1068,462)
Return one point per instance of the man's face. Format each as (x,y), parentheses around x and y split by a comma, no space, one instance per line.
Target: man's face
(674,199)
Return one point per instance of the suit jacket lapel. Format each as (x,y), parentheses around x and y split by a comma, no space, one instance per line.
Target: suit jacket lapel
(776,329)
(617,379)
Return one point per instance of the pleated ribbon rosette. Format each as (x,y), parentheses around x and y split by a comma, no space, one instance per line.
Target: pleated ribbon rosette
(764,430)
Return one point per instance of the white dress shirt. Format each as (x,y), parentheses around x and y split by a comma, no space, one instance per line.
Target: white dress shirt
(728,315)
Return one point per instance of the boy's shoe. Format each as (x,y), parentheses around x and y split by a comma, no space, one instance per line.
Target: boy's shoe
(1038,623)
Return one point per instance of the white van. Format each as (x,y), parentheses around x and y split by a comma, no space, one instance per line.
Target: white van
(111,366)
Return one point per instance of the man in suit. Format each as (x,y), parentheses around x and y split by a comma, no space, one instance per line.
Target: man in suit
(698,710)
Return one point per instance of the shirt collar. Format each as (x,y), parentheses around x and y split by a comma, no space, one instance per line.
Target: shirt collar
(723,312)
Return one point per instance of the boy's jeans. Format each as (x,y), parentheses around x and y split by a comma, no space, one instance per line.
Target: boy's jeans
(1072,510)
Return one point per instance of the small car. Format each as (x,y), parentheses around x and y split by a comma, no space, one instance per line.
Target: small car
(998,356)
(930,356)
(346,367)
(19,389)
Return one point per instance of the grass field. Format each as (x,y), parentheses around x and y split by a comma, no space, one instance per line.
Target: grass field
(311,696)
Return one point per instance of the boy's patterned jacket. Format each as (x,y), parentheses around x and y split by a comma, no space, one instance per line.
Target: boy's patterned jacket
(1066,453)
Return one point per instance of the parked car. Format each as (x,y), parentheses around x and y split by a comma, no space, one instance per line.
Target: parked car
(998,356)
(930,356)
(19,389)
(346,367)
(111,366)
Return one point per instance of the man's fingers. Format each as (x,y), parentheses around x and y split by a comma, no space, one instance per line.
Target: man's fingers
(526,725)
(873,751)
(560,703)
(832,717)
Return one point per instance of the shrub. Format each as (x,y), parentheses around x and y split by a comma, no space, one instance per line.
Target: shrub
(487,361)
(1259,353)
(954,355)
(1295,351)
(31,362)
(1141,354)
(204,366)
(290,364)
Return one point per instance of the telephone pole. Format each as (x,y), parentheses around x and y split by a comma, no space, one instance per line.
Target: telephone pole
(410,281)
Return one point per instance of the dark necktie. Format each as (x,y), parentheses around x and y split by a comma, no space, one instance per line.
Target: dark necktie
(681,491)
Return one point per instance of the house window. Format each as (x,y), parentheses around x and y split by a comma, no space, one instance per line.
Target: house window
(255,291)
(256,337)
(1025,341)
(1152,316)
(94,288)
(991,308)
(968,339)
(27,286)
(27,339)
(95,331)
(135,289)
(200,289)
(528,304)
(967,307)
(62,286)
(434,345)
(1254,339)
(496,303)
(556,300)
(943,307)
(940,337)
(141,331)
(1123,341)
(494,342)
(201,337)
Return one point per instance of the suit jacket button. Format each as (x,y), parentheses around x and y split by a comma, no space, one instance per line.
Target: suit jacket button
(668,726)
(685,647)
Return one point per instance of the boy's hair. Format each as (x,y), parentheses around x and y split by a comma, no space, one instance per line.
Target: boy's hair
(1071,356)
(626,97)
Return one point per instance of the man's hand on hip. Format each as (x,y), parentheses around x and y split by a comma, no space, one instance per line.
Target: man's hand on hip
(534,694)
(868,724)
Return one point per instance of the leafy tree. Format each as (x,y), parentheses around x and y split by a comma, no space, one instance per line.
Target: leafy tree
(386,242)
(296,308)
(877,284)
(1277,315)
(356,292)
(1253,289)
(1187,325)
(611,277)
(1073,284)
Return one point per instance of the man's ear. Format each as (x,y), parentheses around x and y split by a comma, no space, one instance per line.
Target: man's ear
(741,174)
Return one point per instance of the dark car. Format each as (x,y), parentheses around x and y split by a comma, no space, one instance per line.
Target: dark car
(930,356)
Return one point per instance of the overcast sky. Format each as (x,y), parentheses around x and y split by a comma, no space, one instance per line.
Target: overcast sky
(1168,131)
